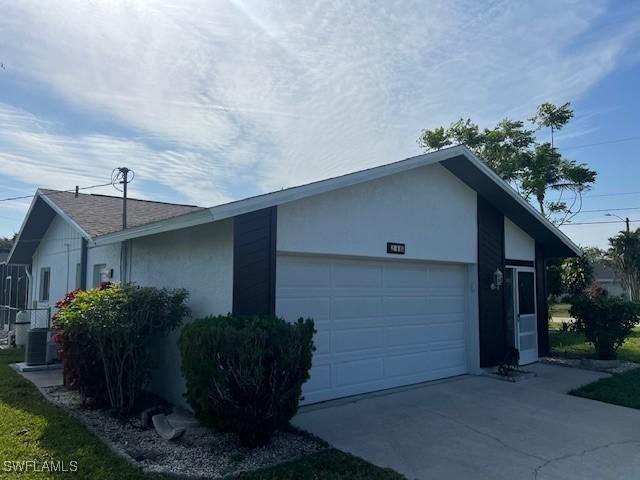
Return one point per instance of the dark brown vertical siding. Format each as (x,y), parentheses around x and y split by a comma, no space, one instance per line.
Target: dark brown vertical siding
(542,306)
(254,262)
(490,302)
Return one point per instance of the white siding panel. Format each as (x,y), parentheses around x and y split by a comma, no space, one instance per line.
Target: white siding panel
(199,259)
(428,209)
(518,245)
(58,250)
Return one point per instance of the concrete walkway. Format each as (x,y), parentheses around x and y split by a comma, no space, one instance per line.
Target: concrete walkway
(42,378)
(480,428)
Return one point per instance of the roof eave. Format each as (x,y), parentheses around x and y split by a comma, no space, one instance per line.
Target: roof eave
(190,219)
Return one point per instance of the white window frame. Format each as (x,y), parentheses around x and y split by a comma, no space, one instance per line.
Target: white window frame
(45,272)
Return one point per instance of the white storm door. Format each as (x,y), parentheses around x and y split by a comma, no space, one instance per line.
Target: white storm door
(527,331)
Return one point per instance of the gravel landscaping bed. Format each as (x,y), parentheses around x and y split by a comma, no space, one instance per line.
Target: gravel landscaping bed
(199,453)
(606,366)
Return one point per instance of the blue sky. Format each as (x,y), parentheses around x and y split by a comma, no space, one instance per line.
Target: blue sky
(210,101)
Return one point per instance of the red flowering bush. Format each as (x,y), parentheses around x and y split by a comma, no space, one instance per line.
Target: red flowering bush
(82,368)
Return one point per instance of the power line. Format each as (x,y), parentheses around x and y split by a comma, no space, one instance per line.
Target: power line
(54,193)
(597,223)
(614,194)
(609,209)
(605,142)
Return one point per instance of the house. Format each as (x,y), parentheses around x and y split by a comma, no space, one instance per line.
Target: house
(607,277)
(422,269)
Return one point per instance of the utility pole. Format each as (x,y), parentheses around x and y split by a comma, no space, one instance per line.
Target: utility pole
(626,220)
(124,171)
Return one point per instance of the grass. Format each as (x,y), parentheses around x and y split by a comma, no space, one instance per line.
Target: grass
(330,465)
(622,389)
(33,429)
(574,343)
(560,310)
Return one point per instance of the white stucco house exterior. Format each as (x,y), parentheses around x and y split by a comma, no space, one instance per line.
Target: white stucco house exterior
(422,269)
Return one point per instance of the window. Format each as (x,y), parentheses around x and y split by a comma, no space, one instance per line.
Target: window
(98,272)
(45,284)
(526,293)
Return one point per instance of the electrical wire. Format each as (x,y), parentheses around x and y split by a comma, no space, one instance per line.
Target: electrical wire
(55,193)
(605,142)
(598,223)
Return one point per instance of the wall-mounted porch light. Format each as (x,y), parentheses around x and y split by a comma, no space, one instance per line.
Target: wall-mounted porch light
(498,278)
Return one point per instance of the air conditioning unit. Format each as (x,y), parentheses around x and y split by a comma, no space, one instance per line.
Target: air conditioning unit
(37,346)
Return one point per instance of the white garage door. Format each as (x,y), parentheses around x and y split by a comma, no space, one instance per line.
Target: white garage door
(381,324)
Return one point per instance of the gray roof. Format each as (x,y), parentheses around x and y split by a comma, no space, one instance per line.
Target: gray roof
(603,271)
(101,214)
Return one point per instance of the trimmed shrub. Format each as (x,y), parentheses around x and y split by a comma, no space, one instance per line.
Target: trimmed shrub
(605,321)
(245,374)
(116,328)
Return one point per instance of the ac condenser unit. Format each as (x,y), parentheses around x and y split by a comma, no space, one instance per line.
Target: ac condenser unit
(37,346)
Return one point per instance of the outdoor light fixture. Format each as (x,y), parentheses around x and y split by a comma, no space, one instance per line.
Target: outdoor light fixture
(497,280)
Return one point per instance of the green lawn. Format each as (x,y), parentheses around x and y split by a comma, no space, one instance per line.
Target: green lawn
(623,389)
(574,343)
(330,465)
(33,429)
(559,309)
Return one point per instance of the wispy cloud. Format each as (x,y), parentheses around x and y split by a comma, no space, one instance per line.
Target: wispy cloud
(230,98)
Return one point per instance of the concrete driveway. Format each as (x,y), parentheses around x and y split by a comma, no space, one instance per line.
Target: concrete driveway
(480,428)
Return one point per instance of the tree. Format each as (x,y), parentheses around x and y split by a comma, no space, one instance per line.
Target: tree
(552,116)
(6,243)
(577,274)
(511,150)
(624,254)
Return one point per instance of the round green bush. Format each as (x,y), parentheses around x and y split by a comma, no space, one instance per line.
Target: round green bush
(245,374)
(605,321)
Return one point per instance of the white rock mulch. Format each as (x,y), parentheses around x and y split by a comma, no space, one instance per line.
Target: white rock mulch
(199,453)
(606,366)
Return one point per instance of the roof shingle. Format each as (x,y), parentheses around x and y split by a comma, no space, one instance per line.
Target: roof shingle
(102,214)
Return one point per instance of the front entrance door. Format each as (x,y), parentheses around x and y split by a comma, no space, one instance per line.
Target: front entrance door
(520,286)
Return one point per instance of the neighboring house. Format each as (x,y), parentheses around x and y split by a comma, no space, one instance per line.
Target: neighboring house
(417,270)
(609,279)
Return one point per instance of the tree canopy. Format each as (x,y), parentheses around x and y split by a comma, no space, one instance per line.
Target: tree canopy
(512,150)
(624,253)
(6,243)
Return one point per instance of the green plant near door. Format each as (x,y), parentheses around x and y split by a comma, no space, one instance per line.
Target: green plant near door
(605,321)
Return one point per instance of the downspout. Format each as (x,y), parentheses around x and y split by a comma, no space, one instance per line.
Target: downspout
(83,264)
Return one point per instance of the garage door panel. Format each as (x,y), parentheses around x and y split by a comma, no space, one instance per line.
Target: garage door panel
(302,272)
(318,308)
(379,324)
(354,340)
(405,276)
(356,307)
(446,276)
(405,305)
(439,304)
(446,331)
(322,341)
(320,380)
(407,364)
(406,335)
(450,357)
(357,372)
(356,274)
